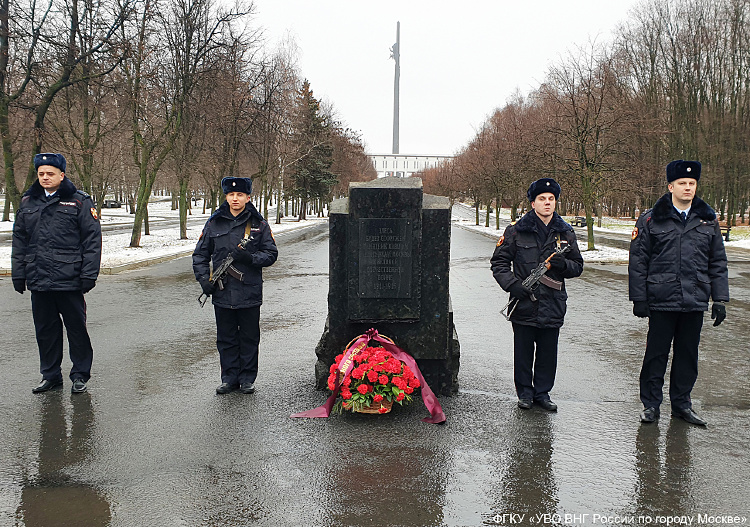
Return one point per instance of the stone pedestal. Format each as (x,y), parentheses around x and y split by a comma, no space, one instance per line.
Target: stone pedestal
(389,261)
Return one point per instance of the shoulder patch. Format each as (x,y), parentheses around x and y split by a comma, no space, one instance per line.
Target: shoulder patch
(500,241)
(634,234)
(94,214)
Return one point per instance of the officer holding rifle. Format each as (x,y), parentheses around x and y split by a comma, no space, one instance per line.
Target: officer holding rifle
(537,310)
(238,231)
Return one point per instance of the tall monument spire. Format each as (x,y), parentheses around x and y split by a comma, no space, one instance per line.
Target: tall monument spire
(396,55)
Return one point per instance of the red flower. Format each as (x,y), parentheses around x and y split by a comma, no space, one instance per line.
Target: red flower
(414,383)
(383,410)
(383,379)
(408,374)
(372,376)
(339,357)
(377,398)
(333,367)
(346,394)
(358,373)
(347,381)
(409,390)
(400,396)
(363,388)
(399,382)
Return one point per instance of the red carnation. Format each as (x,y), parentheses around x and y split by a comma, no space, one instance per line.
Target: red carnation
(347,381)
(372,376)
(383,410)
(408,374)
(383,379)
(358,373)
(400,396)
(377,398)
(399,382)
(409,390)
(333,367)
(363,388)
(339,357)
(346,394)
(414,383)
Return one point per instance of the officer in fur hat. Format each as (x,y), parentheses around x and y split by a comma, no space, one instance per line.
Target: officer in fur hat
(677,262)
(57,250)
(237,303)
(537,319)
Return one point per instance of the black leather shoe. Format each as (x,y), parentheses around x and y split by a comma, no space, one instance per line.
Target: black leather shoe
(525,404)
(46,385)
(547,405)
(79,386)
(688,415)
(650,414)
(247,387)
(225,387)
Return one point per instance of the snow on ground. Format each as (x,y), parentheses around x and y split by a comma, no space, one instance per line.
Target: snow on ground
(600,255)
(161,243)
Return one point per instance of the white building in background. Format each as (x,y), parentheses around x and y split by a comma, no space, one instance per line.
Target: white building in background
(404,165)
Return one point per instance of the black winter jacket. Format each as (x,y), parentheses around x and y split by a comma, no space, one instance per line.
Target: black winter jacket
(519,248)
(57,241)
(222,233)
(676,267)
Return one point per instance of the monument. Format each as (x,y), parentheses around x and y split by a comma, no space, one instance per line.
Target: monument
(389,253)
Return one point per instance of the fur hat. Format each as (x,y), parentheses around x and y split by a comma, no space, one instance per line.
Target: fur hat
(237,184)
(540,186)
(54,160)
(680,169)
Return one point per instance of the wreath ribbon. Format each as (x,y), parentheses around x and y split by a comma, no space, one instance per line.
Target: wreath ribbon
(346,366)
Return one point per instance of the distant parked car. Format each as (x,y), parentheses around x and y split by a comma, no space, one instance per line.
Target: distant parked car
(111,204)
(579,221)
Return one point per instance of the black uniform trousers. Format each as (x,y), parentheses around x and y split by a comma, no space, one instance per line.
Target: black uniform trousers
(237,339)
(664,327)
(534,370)
(48,307)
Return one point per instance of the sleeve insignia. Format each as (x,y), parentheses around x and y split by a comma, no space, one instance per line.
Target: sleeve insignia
(500,241)
(634,234)
(93,213)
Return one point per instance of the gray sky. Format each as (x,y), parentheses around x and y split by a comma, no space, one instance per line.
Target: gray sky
(459,59)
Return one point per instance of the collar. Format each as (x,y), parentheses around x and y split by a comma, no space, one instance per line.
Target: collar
(65,191)
(664,209)
(224,212)
(528,223)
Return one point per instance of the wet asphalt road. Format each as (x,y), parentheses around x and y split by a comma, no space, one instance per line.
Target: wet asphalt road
(151,444)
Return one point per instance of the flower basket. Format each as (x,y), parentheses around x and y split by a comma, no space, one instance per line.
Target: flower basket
(371,379)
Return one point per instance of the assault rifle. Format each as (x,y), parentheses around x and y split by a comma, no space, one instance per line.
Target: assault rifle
(532,282)
(226,267)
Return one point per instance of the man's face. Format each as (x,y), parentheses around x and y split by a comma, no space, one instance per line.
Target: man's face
(237,201)
(50,177)
(544,204)
(683,189)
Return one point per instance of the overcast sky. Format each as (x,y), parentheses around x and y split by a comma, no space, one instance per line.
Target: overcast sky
(460,59)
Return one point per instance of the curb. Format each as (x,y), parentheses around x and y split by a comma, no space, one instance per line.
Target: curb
(489,235)
(116,269)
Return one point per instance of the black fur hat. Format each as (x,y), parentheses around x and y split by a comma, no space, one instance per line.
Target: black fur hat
(680,169)
(237,184)
(540,186)
(54,160)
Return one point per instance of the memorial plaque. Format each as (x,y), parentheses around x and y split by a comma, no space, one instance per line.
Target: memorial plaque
(385,258)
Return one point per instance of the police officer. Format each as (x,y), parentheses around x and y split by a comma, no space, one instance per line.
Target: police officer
(538,315)
(57,249)
(677,261)
(237,302)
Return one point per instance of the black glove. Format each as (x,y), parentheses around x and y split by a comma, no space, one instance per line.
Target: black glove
(242,255)
(719,312)
(519,291)
(19,284)
(640,309)
(208,289)
(87,284)
(557,263)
